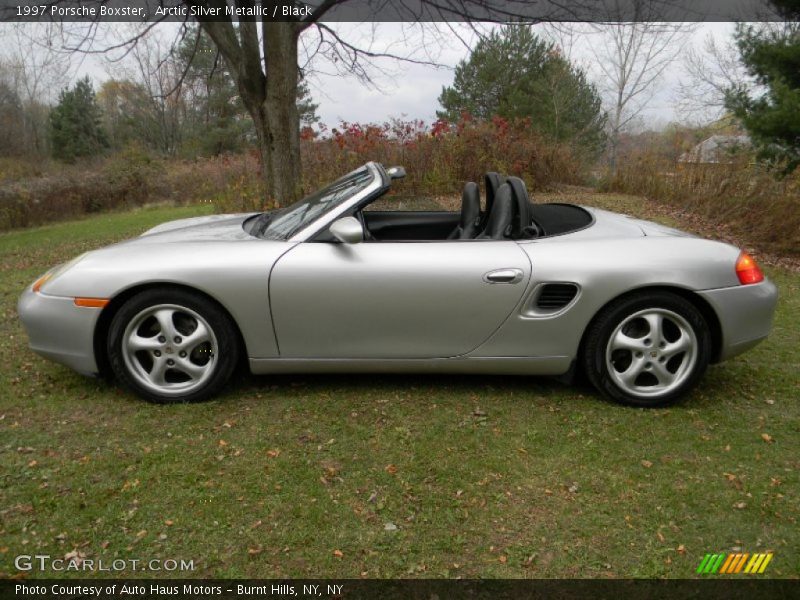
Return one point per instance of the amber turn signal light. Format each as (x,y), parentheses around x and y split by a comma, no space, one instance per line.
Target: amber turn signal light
(37,285)
(747,270)
(91,302)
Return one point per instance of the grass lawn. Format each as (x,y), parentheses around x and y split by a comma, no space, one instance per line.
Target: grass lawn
(401,476)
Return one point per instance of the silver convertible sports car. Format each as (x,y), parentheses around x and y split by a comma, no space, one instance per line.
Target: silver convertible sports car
(324,285)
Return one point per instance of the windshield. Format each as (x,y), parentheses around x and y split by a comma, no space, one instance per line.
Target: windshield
(283,223)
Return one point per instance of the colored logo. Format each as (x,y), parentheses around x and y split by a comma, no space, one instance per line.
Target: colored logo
(734,563)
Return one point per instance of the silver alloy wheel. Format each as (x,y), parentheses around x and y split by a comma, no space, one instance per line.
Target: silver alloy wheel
(169,349)
(651,352)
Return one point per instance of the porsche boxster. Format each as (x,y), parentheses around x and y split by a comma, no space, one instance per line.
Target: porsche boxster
(329,284)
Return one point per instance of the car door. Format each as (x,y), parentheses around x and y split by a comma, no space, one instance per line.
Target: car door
(394,300)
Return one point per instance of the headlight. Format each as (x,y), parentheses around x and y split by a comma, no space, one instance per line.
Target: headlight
(55,272)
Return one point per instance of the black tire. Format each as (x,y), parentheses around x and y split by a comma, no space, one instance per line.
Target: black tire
(220,353)
(629,311)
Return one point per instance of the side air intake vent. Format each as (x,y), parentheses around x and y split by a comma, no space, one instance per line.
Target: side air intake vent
(555,296)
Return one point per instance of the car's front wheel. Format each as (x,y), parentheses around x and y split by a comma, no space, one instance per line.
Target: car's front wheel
(172,346)
(647,349)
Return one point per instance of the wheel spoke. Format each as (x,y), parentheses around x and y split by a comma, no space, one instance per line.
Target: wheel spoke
(137,343)
(622,341)
(661,373)
(682,344)
(164,318)
(189,368)
(158,372)
(629,375)
(198,336)
(656,323)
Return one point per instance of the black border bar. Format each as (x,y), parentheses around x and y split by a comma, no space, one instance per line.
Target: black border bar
(728,588)
(386,10)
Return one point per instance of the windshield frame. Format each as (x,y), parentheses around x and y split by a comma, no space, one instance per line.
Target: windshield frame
(380,182)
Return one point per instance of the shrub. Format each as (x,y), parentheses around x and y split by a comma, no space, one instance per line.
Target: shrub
(755,202)
(441,157)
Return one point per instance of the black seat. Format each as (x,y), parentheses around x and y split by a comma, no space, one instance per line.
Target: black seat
(468,226)
(493,182)
(499,225)
(523,226)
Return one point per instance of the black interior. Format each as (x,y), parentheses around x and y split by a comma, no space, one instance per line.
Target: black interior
(469,225)
(410,225)
(552,219)
(492,183)
(510,215)
(500,224)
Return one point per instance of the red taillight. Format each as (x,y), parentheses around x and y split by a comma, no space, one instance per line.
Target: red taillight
(747,270)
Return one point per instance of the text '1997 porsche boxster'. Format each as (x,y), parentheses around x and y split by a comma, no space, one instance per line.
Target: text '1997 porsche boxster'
(323,285)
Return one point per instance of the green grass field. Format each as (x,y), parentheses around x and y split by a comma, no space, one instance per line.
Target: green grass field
(413,476)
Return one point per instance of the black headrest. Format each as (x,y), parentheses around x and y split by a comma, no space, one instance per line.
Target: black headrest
(493,182)
(499,224)
(523,205)
(470,204)
(469,224)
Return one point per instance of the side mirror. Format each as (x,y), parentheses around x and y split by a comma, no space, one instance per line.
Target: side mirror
(347,230)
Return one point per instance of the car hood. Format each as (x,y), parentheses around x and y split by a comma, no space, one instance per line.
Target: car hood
(198,229)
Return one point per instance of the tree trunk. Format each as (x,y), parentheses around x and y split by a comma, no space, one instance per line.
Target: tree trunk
(282,122)
(269,94)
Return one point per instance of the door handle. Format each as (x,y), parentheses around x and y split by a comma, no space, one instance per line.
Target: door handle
(503,276)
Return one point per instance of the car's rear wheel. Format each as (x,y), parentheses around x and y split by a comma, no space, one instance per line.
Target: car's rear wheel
(172,346)
(647,349)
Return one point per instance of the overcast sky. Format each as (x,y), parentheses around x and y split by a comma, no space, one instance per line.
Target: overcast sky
(411,90)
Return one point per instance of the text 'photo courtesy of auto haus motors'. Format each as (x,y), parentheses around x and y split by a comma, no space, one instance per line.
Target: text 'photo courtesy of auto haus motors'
(506,286)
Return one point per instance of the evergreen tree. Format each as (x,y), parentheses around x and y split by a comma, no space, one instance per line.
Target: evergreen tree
(771,115)
(306,106)
(75,125)
(215,120)
(513,73)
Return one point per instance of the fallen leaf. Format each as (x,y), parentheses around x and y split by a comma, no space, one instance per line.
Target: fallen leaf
(767,438)
(338,553)
(169,522)
(255,550)
(681,549)
(273,453)
(740,505)
(222,443)
(503,559)
(74,556)
(647,464)
(391,469)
